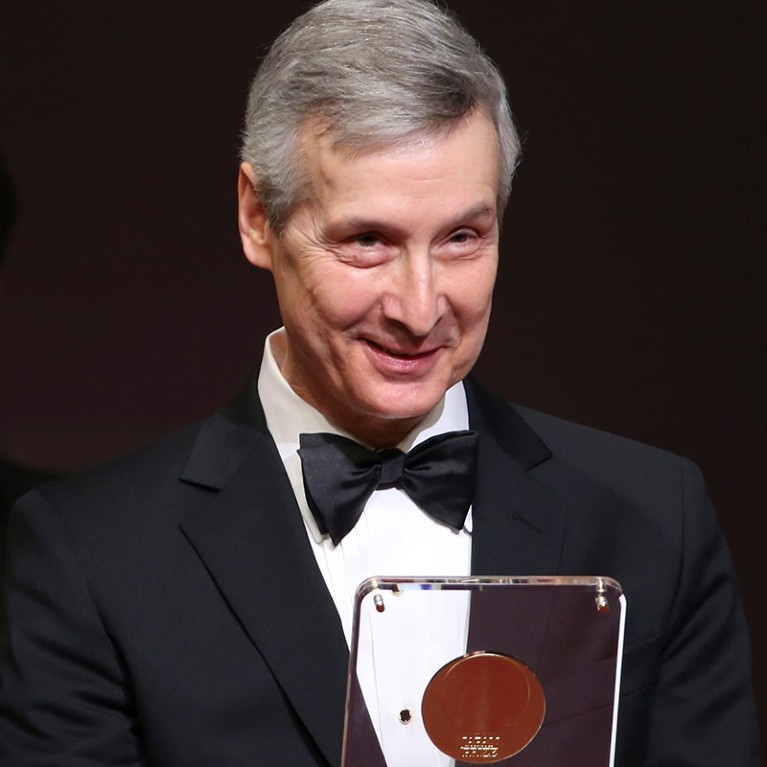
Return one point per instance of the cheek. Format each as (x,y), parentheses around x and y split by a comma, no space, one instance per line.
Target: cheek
(328,299)
(344,296)
(473,300)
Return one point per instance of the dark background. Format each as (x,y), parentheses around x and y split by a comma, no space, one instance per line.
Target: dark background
(632,290)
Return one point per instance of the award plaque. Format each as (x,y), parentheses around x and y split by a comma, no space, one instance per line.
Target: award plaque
(516,671)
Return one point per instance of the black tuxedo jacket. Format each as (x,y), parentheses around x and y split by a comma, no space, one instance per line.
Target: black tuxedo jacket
(167,610)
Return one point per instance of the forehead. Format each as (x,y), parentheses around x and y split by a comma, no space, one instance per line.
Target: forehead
(459,169)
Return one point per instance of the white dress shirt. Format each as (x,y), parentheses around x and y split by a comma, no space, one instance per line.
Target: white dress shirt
(392,537)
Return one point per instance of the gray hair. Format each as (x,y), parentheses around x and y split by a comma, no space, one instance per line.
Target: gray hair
(373,73)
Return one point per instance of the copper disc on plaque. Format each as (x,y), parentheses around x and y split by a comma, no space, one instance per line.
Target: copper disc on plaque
(483,707)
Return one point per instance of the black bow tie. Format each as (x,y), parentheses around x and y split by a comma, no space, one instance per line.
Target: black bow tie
(340,475)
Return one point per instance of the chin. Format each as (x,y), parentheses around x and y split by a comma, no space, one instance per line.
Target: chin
(401,405)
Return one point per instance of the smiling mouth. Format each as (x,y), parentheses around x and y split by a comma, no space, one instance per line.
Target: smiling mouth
(399,354)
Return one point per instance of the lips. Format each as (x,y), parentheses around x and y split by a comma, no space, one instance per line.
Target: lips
(401,354)
(402,363)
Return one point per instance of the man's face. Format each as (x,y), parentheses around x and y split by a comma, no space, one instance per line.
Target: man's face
(384,275)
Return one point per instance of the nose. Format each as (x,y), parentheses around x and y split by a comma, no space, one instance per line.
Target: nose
(414,299)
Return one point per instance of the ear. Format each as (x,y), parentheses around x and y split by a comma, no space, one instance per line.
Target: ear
(255,232)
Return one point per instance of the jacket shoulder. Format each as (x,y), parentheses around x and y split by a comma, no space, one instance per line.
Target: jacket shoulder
(574,457)
(583,447)
(626,465)
(154,463)
(113,501)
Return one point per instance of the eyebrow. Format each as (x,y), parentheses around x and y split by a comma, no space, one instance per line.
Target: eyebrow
(481,210)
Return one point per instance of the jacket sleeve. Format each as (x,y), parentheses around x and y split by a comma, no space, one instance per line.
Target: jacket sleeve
(64,696)
(703,711)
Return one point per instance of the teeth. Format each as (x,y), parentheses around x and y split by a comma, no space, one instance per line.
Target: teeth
(386,349)
(394,352)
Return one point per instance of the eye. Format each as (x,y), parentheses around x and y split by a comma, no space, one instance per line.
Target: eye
(367,239)
(462,236)
(461,243)
(364,249)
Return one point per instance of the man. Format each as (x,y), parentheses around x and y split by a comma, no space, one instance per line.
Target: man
(190,605)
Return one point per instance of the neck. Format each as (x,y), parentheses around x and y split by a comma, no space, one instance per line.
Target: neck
(373,431)
(379,433)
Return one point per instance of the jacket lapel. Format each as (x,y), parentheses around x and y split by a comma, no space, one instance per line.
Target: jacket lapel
(519,523)
(253,541)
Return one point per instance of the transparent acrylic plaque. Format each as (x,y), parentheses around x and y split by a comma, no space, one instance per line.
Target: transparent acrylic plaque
(517,671)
